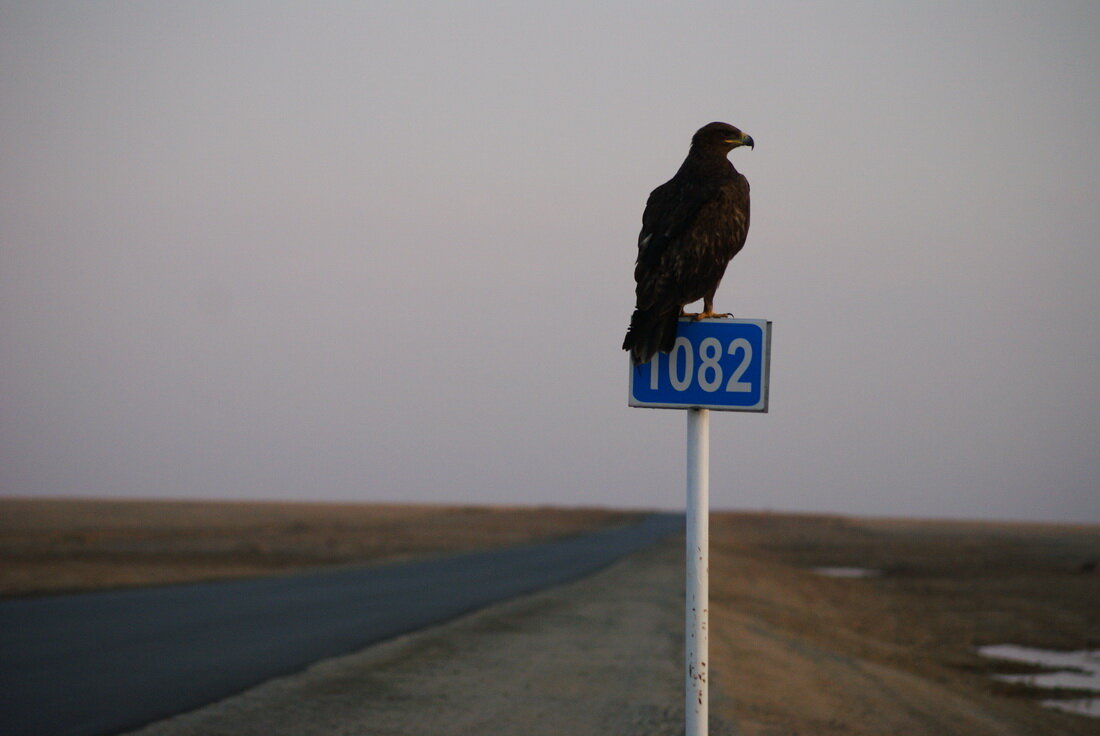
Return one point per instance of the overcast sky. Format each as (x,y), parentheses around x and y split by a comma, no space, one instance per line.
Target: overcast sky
(384,251)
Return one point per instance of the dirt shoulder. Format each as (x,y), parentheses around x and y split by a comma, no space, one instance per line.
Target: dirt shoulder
(598,656)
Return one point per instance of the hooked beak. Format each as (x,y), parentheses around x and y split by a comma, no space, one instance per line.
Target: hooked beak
(746,140)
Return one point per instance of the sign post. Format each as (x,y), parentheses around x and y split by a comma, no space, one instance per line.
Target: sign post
(715,364)
(696,644)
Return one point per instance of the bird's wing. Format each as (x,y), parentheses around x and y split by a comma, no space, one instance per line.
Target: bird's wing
(669,214)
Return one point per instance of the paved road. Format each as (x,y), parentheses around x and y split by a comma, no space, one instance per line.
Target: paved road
(101,663)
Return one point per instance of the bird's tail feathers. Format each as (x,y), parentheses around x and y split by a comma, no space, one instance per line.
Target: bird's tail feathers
(650,332)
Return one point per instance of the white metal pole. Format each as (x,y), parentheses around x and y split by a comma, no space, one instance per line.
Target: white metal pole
(698,566)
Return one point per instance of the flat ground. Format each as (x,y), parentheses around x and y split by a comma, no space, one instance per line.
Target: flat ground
(808,654)
(64,546)
(792,652)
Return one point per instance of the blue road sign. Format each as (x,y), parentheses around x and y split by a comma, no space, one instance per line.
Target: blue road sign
(716,364)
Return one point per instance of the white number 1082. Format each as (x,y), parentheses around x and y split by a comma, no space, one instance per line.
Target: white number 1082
(682,369)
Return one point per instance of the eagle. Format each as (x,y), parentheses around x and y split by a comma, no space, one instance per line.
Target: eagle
(692,226)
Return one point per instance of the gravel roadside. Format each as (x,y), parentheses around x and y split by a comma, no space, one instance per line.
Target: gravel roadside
(602,655)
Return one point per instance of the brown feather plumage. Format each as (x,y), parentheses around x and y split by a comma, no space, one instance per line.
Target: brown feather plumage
(692,226)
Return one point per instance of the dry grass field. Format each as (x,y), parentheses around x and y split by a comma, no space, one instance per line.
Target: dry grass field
(799,652)
(60,546)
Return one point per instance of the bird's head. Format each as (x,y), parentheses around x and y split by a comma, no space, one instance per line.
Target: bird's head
(722,136)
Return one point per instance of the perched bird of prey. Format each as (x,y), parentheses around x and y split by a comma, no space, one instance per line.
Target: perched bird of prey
(692,226)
